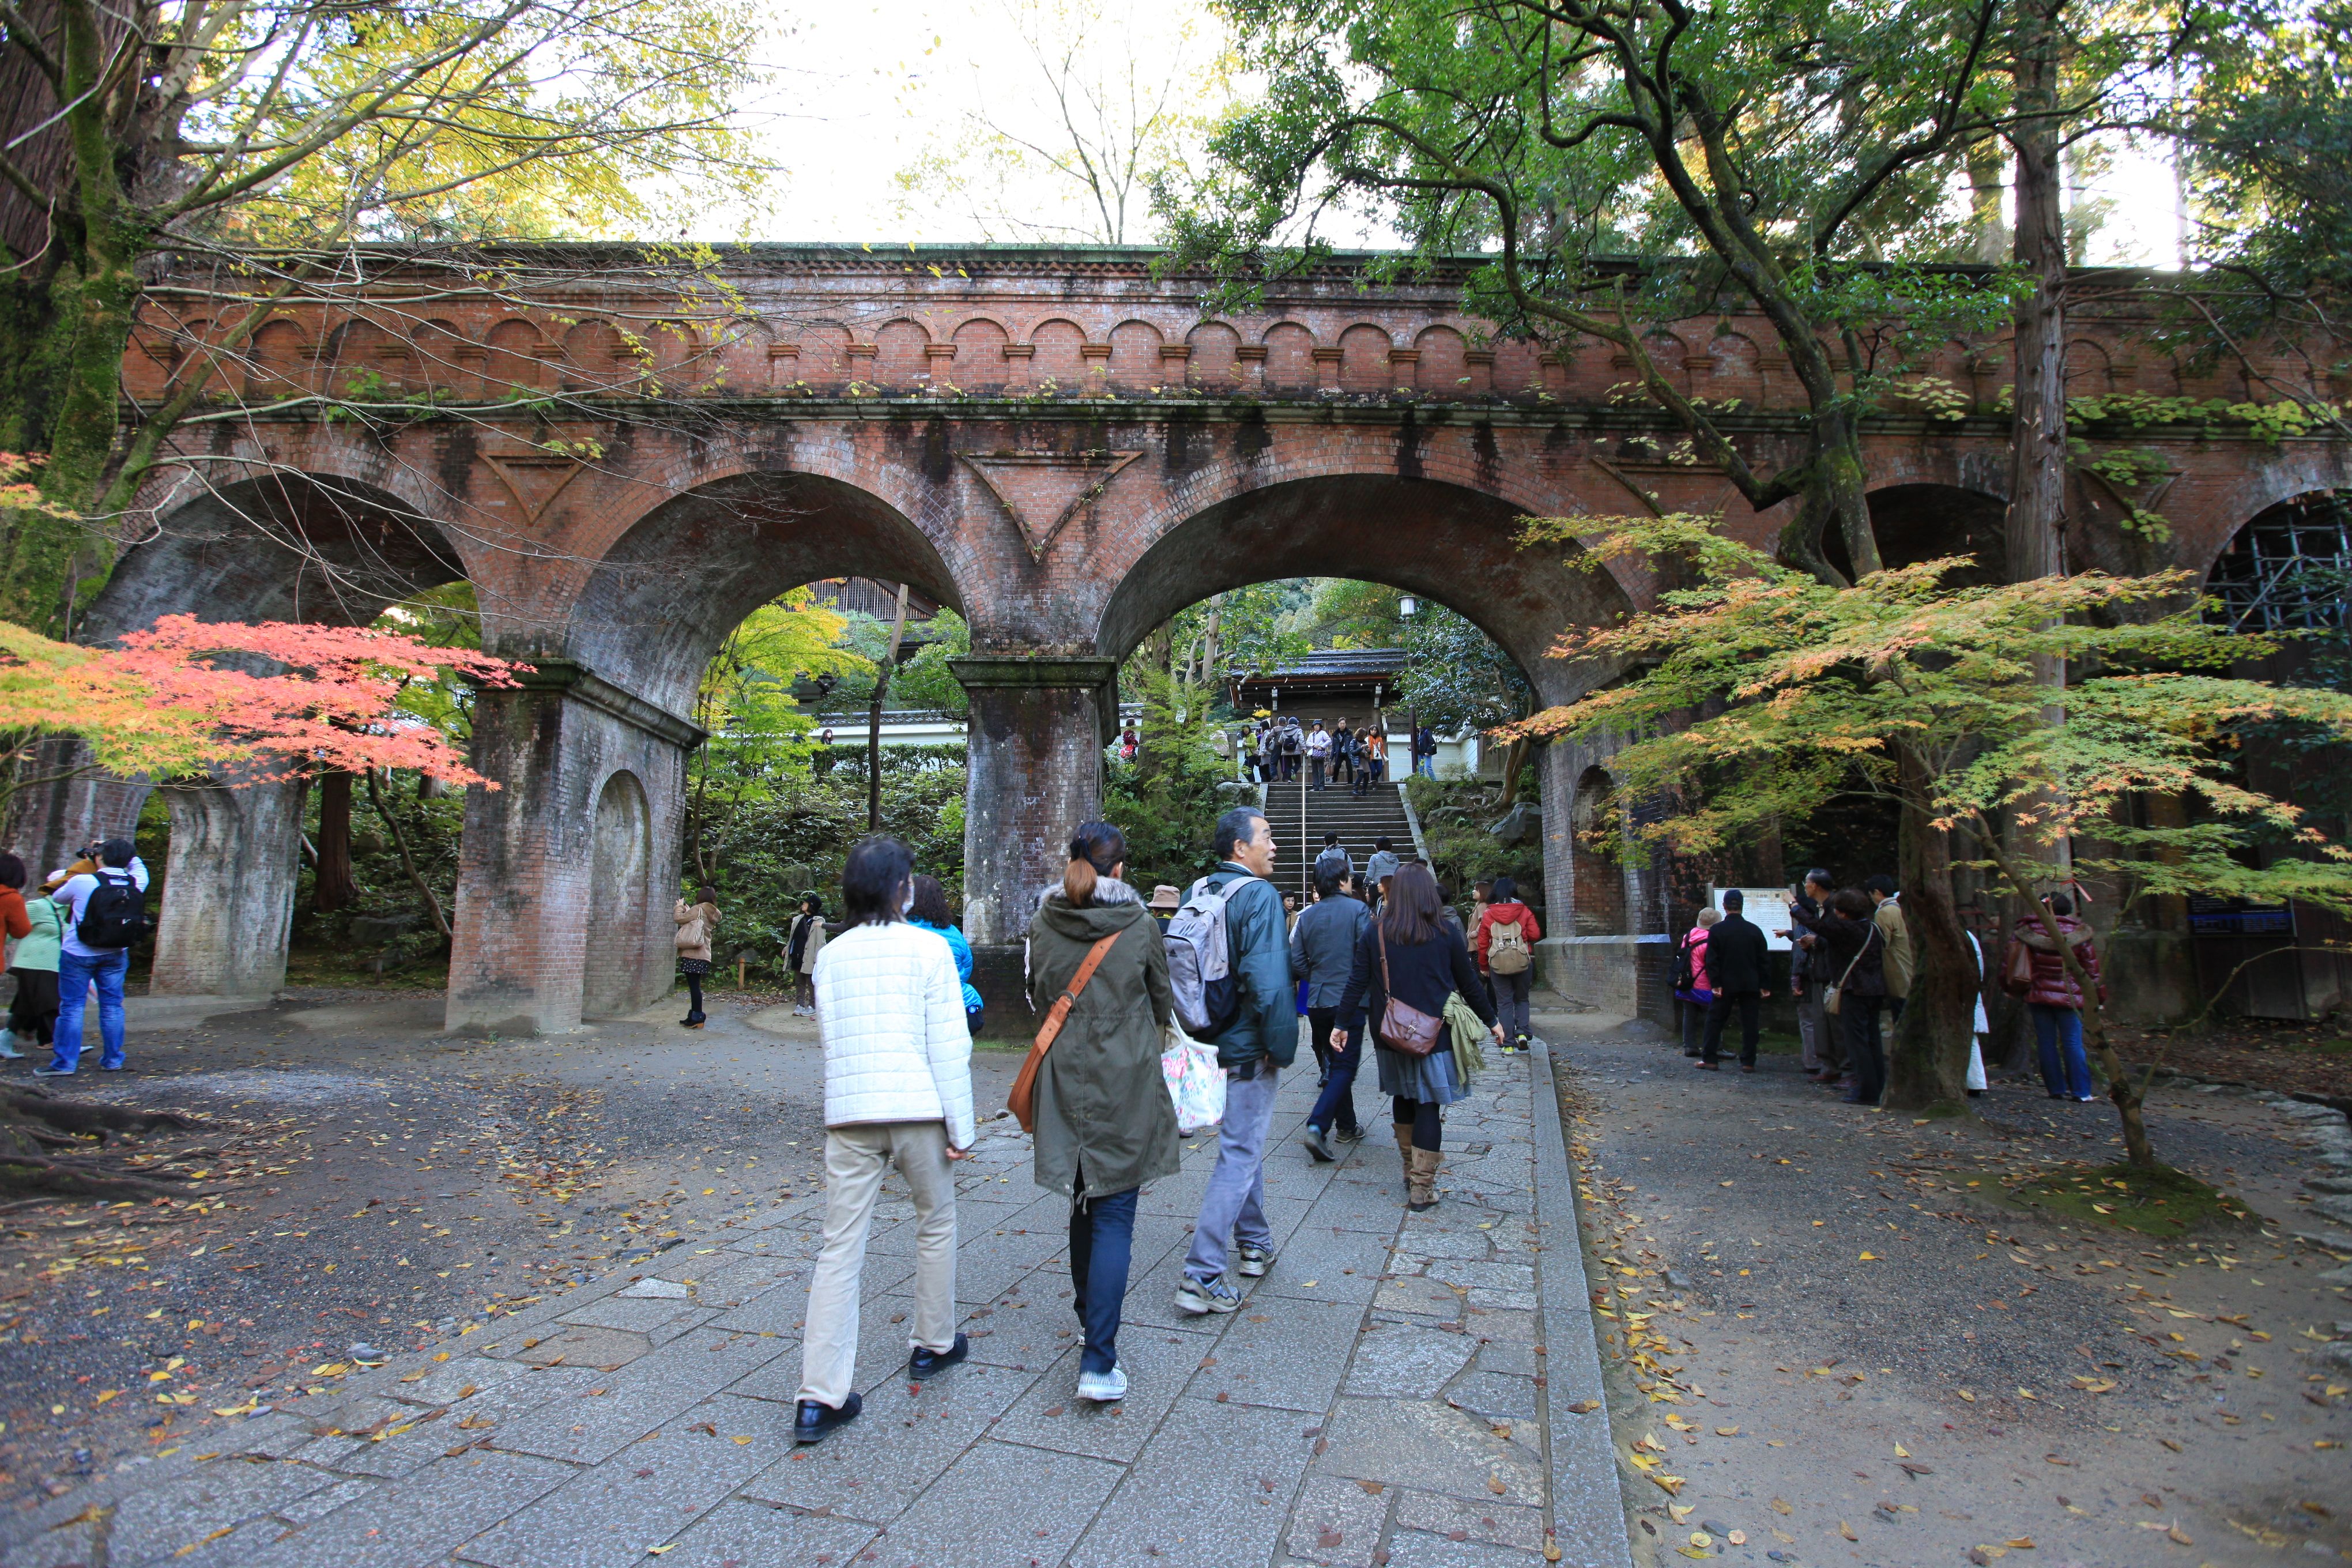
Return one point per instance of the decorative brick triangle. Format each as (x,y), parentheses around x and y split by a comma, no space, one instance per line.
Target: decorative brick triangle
(534,479)
(1043,491)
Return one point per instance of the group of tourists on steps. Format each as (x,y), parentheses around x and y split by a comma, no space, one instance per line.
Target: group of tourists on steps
(896,1012)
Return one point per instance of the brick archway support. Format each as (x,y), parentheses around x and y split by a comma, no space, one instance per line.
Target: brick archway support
(526,889)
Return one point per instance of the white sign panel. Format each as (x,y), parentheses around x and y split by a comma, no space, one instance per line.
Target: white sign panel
(1767,907)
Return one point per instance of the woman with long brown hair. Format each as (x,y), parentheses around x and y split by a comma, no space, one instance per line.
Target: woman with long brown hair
(1412,953)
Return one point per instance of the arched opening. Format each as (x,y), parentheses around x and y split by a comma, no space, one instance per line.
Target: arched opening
(662,600)
(1599,880)
(1924,521)
(614,969)
(617,695)
(1445,541)
(2288,571)
(313,548)
(283,547)
(2290,568)
(1444,544)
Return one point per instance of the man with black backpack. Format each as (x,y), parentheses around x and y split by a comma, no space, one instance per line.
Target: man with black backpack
(1248,1010)
(105,912)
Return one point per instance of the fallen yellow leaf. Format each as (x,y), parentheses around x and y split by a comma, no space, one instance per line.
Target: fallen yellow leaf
(1901,1452)
(1780,1507)
(1847,1531)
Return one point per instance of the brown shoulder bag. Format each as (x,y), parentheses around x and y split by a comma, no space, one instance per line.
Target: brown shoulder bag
(1023,1101)
(1403,1027)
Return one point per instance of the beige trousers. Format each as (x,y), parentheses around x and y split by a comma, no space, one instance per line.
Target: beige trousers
(855,1158)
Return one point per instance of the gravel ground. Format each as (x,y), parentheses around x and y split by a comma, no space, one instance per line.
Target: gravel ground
(2292,1058)
(371,1185)
(1832,1325)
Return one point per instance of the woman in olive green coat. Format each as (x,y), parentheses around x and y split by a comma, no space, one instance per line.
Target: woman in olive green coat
(1105,1124)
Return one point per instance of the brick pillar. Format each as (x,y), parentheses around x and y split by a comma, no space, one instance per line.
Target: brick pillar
(53,819)
(1036,736)
(536,929)
(228,892)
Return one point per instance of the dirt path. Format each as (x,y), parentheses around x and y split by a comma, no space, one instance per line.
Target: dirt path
(373,1185)
(1835,1327)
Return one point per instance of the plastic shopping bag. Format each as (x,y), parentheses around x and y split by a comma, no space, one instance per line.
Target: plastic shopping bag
(1195,1081)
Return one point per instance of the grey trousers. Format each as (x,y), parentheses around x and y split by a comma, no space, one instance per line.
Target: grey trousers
(1235,1203)
(1822,1046)
(1511,1002)
(855,1158)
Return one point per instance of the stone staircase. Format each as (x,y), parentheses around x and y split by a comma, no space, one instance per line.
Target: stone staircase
(1358,820)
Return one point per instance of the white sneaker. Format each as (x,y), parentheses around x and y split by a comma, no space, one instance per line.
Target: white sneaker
(1102,1388)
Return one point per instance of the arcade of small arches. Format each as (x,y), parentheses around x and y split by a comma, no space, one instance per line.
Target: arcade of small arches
(612,548)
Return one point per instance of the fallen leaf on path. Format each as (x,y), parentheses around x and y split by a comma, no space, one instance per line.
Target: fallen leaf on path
(1847,1531)
(1781,1508)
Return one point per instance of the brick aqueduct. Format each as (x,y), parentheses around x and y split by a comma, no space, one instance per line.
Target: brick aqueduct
(1053,442)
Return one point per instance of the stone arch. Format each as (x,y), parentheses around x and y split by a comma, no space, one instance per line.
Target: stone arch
(269,546)
(278,546)
(281,361)
(2088,370)
(1599,906)
(1135,356)
(1215,364)
(1733,367)
(1364,359)
(1921,520)
(662,598)
(1058,358)
(1444,540)
(1290,359)
(901,357)
(2257,580)
(1441,369)
(517,359)
(443,359)
(980,363)
(619,953)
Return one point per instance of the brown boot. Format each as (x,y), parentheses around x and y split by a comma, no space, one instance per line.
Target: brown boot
(1421,1183)
(1404,1150)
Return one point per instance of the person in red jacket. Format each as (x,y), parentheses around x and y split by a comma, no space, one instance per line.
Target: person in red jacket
(2054,997)
(1510,963)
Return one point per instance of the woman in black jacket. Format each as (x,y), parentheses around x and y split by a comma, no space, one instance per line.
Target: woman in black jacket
(1849,954)
(1412,947)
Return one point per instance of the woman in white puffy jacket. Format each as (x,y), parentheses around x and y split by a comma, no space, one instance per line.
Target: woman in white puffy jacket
(898,1088)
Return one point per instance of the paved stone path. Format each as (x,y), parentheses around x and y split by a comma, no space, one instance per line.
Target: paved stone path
(1400,1389)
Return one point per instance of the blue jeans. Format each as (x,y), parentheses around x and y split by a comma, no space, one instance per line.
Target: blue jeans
(74,975)
(1339,1096)
(1235,1203)
(1102,1234)
(1426,767)
(2065,1071)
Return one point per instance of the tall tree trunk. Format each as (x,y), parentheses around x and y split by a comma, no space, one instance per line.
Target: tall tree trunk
(1927,1066)
(2037,468)
(1989,241)
(408,861)
(873,717)
(332,888)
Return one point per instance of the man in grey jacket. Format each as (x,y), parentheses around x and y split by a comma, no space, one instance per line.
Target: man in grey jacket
(1253,1047)
(1323,950)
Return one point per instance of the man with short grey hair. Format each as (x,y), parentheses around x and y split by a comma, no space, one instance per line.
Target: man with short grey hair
(1252,1045)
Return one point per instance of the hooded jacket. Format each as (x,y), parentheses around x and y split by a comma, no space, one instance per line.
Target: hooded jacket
(2053,986)
(1104,1120)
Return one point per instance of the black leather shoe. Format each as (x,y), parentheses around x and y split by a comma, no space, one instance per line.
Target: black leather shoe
(926,1363)
(816,1422)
